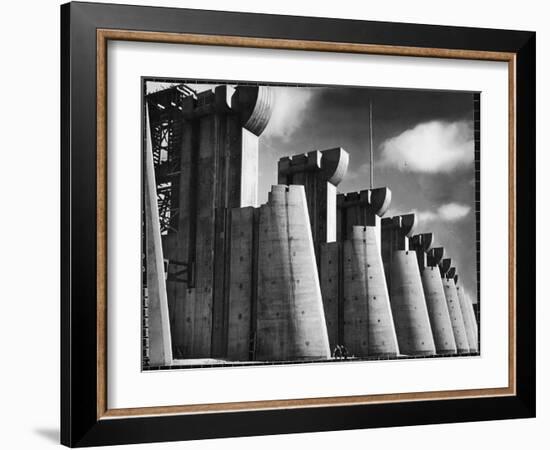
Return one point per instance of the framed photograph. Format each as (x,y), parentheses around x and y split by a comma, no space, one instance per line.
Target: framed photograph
(277,224)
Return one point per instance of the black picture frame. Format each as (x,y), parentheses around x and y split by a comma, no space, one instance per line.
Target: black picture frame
(80,424)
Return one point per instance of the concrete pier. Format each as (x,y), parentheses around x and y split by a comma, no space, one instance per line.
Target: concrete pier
(366,208)
(159,348)
(210,167)
(412,322)
(290,316)
(368,321)
(332,285)
(355,294)
(395,232)
(382,334)
(469,322)
(319,172)
(242,283)
(474,318)
(434,293)
(356,312)
(453,303)
(310,270)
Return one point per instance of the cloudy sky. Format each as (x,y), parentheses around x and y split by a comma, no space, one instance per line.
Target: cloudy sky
(423,151)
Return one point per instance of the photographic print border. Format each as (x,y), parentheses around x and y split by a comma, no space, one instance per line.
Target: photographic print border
(476,162)
(86,29)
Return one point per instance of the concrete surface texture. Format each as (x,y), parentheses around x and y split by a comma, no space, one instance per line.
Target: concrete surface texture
(368,322)
(319,172)
(412,323)
(242,282)
(332,289)
(37,428)
(438,311)
(470,308)
(469,322)
(440,321)
(212,167)
(381,329)
(310,270)
(455,311)
(158,335)
(356,312)
(290,316)
(361,208)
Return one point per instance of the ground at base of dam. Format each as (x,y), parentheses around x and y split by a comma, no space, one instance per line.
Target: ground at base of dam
(197,363)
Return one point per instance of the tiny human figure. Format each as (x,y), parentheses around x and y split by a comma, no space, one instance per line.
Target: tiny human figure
(337,352)
(344,352)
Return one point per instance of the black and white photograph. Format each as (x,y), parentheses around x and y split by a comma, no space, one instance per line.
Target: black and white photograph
(287,224)
(275,225)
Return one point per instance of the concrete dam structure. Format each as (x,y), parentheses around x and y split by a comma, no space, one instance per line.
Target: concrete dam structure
(440,320)
(290,320)
(311,274)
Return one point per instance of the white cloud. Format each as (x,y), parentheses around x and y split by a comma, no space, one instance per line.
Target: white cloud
(450,212)
(430,147)
(288,112)
(426,216)
(453,211)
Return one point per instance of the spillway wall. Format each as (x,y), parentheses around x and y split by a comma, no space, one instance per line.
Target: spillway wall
(290,316)
(438,311)
(455,313)
(468,317)
(409,308)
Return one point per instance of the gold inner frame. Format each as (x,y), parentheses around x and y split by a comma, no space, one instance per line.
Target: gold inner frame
(104,35)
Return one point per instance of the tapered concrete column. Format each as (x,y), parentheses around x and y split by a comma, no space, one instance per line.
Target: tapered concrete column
(331,279)
(319,172)
(439,314)
(242,282)
(212,166)
(436,302)
(453,304)
(412,322)
(362,208)
(473,316)
(253,105)
(290,317)
(408,303)
(381,327)
(395,233)
(421,244)
(469,323)
(356,336)
(368,323)
(158,329)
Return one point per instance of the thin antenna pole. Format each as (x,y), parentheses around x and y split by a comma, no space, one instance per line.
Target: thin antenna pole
(371,147)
